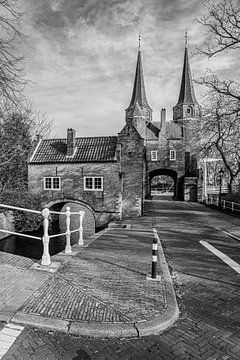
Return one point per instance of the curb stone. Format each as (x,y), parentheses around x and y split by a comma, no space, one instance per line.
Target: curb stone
(138,329)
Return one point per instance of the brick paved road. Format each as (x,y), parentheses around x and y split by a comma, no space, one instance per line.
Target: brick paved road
(208,293)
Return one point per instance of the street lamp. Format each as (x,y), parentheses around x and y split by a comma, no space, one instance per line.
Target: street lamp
(221,172)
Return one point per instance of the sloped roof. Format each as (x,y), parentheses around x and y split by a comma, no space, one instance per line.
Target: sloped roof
(88,149)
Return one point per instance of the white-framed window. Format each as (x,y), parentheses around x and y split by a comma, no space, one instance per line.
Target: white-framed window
(153,155)
(93,183)
(52,183)
(189,110)
(173,155)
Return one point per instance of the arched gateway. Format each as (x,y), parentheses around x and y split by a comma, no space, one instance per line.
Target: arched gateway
(176,186)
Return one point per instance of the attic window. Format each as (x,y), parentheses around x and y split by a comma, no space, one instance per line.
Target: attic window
(189,111)
(154,155)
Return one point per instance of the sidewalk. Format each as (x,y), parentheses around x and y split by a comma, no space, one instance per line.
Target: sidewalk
(101,290)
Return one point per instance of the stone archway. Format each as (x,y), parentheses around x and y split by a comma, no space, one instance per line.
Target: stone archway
(178,192)
(89,221)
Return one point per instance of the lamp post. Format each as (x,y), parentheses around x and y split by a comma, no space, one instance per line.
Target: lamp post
(221,172)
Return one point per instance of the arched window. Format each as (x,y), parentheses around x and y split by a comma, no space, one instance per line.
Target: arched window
(189,111)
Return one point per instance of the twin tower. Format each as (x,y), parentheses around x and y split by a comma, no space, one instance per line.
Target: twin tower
(168,146)
(140,113)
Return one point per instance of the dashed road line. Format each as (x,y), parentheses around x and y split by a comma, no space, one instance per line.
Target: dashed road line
(7,337)
(233,264)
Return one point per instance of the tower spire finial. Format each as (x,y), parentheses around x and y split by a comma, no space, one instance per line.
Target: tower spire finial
(186,37)
(139,41)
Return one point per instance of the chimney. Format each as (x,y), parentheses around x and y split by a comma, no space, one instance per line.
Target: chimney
(163,116)
(163,120)
(70,141)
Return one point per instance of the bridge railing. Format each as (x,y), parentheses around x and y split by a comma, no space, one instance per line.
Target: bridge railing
(225,204)
(46,259)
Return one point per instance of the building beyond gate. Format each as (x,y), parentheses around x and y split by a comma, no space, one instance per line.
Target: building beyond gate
(112,175)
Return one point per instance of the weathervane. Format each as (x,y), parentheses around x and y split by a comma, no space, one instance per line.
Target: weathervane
(139,41)
(186,37)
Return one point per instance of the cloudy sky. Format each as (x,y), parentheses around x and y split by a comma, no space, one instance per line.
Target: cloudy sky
(81,57)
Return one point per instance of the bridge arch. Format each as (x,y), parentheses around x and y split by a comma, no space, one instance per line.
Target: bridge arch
(89,220)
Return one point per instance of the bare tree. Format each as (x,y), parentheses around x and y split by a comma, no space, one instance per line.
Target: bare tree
(220,133)
(12,81)
(222,23)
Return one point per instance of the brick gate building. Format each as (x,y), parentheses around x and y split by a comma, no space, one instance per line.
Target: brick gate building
(111,176)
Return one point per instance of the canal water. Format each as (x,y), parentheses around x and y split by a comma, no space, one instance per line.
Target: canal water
(32,248)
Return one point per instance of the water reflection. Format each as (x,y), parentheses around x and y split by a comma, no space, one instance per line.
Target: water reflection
(31,248)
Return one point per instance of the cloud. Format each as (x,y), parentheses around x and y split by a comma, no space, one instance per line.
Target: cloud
(81,54)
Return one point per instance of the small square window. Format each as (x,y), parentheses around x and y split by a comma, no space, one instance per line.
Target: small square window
(93,183)
(172,155)
(52,183)
(153,155)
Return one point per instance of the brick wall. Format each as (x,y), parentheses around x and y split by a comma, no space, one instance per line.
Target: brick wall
(105,204)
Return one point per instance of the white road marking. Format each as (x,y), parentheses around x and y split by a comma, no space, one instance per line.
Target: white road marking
(233,264)
(7,337)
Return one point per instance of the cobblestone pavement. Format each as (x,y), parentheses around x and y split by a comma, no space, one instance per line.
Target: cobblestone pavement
(208,293)
(103,282)
(14,270)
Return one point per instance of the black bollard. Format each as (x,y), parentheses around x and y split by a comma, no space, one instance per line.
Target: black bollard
(154,258)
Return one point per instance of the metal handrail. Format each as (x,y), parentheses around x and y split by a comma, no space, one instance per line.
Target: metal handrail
(56,235)
(46,259)
(20,234)
(20,208)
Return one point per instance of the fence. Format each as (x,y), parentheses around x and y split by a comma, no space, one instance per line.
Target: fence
(225,205)
(46,259)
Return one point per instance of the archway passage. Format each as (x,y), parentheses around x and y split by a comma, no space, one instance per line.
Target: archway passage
(162,185)
(168,182)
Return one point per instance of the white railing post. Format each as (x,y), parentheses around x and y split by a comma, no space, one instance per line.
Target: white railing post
(224,204)
(68,249)
(232,206)
(81,215)
(46,260)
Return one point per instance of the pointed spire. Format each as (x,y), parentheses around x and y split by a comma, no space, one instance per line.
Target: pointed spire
(139,93)
(187,95)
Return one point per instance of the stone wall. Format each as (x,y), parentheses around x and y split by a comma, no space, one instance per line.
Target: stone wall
(6,223)
(132,166)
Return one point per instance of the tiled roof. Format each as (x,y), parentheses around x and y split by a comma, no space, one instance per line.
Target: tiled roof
(88,149)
